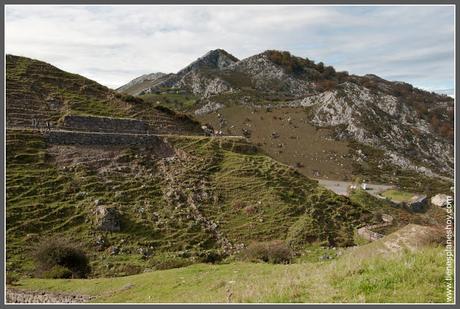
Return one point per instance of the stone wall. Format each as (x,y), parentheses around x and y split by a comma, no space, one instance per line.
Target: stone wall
(105,124)
(37,297)
(94,138)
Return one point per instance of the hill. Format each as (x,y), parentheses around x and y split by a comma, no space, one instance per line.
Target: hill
(138,192)
(38,93)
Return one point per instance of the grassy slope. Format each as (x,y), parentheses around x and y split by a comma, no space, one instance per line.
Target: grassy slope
(36,89)
(346,279)
(49,194)
(38,81)
(299,144)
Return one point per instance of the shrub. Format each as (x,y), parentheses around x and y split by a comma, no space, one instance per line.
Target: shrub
(52,253)
(57,272)
(133,99)
(326,85)
(125,269)
(276,252)
(11,278)
(344,236)
(168,261)
(164,109)
(210,256)
(302,232)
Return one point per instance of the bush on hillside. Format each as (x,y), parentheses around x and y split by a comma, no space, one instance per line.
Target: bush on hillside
(211,256)
(326,85)
(164,261)
(57,272)
(164,109)
(11,278)
(133,99)
(302,232)
(276,252)
(55,257)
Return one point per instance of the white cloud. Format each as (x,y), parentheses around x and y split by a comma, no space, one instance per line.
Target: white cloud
(113,44)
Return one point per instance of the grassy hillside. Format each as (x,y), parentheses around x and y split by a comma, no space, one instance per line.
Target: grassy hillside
(38,90)
(54,190)
(368,279)
(48,88)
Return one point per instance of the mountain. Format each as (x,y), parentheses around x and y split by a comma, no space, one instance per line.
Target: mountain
(138,186)
(190,75)
(128,186)
(399,126)
(139,83)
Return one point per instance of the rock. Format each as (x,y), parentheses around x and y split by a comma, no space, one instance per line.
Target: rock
(246,132)
(440,200)
(80,195)
(114,250)
(208,108)
(19,296)
(387,218)
(107,219)
(417,202)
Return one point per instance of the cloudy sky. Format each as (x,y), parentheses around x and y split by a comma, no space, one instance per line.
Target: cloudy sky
(114,44)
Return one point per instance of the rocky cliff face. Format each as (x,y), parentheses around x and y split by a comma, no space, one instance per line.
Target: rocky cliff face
(383,121)
(270,77)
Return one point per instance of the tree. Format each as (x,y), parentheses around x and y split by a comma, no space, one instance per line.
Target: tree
(320,67)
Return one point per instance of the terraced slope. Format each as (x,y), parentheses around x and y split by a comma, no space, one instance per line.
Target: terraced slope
(193,199)
(168,201)
(38,93)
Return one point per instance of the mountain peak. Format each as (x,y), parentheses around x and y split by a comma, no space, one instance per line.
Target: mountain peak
(214,59)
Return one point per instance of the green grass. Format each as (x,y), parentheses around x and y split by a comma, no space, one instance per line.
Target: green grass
(175,101)
(397,195)
(347,279)
(44,199)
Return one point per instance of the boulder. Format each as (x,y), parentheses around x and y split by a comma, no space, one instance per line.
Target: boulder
(107,219)
(418,202)
(440,200)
